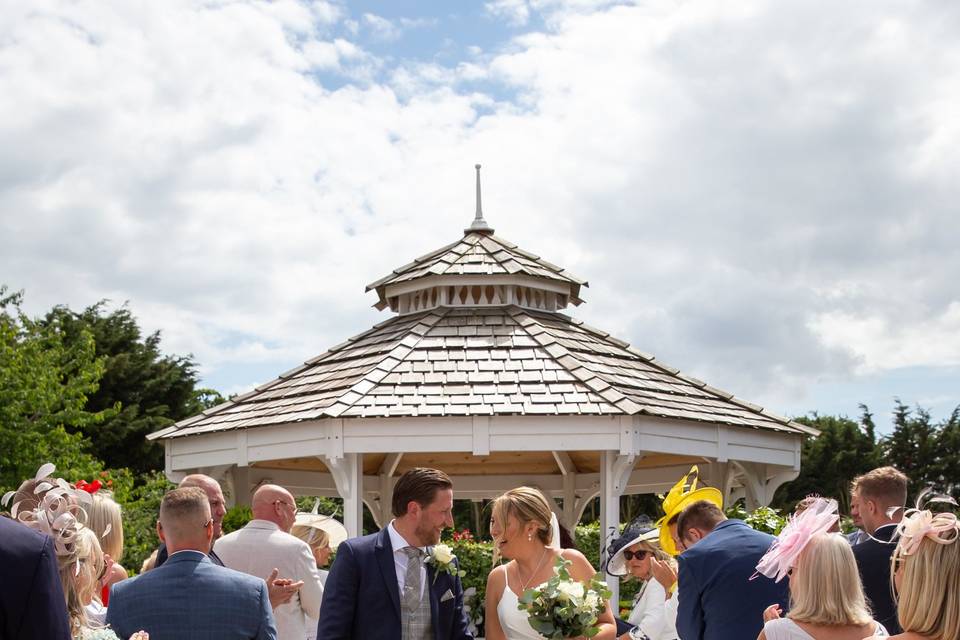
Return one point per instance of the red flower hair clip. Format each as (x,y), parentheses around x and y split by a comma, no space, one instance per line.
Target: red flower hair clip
(89,487)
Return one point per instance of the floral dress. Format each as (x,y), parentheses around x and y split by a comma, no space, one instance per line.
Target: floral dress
(96,634)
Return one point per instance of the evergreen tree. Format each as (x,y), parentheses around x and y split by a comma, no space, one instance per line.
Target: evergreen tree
(143,389)
(844,450)
(946,475)
(912,447)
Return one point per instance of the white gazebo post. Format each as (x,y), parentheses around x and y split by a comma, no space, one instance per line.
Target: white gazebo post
(615,469)
(347,472)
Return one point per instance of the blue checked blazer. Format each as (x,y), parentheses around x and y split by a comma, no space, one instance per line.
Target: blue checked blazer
(190,598)
(361,598)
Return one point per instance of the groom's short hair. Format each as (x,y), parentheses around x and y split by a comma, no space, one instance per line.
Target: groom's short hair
(419,485)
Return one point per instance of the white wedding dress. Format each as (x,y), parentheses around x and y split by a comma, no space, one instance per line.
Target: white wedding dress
(515,624)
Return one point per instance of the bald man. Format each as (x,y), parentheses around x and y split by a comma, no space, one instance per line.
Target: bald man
(264,543)
(218,509)
(281,589)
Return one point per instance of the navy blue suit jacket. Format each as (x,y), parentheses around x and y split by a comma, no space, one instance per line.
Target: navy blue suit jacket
(190,598)
(873,560)
(361,598)
(32,606)
(717,598)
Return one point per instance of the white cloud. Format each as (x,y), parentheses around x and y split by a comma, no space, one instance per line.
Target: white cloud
(892,341)
(515,12)
(381,28)
(762,194)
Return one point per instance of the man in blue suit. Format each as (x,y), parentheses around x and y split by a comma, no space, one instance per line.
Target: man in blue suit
(717,598)
(189,597)
(382,586)
(32,606)
(879,497)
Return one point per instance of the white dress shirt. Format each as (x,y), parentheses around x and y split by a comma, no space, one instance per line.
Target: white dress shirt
(259,547)
(400,560)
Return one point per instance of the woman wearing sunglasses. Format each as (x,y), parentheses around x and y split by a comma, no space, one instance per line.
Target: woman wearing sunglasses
(631,556)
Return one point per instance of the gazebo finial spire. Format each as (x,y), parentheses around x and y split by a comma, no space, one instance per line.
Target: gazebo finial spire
(479,224)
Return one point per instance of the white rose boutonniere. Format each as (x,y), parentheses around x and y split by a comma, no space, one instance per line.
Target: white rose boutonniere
(442,558)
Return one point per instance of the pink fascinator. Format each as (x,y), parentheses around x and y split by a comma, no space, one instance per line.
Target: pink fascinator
(917,524)
(55,508)
(782,556)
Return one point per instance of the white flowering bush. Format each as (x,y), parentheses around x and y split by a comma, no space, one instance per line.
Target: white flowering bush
(561,607)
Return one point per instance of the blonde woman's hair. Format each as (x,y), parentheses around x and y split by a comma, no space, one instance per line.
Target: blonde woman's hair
(526,504)
(825,585)
(78,576)
(104,512)
(316,537)
(929,600)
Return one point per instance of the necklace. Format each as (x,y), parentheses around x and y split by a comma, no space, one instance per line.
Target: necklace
(524,583)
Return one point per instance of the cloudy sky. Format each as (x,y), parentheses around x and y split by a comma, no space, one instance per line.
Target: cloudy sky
(763,194)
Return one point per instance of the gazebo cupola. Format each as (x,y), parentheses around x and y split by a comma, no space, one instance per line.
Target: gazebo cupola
(479,270)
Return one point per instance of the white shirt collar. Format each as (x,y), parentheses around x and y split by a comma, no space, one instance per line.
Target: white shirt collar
(397,541)
(263,524)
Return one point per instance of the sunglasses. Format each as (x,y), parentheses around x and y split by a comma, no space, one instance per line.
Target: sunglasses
(639,555)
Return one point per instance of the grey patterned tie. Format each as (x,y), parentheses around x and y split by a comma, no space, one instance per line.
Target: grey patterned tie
(411,581)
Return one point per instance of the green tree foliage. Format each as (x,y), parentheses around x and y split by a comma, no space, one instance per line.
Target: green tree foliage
(912,447)
(946,468)
(844,450)
(45,381)
(141,390)
(139,498)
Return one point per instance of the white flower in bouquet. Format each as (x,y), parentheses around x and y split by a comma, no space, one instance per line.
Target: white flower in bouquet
(562,607)
(570,591)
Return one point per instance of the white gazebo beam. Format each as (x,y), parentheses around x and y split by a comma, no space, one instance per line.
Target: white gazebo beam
(615,469)
(240,486)
(385,482)
(760,482)
(347,472)
(569,470)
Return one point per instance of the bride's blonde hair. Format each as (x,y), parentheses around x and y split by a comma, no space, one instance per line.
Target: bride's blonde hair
(526,504)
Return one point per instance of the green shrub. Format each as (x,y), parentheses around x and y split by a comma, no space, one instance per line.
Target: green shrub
(762,519)
(236,517)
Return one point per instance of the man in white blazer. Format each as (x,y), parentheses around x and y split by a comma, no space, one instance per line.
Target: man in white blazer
(265,544)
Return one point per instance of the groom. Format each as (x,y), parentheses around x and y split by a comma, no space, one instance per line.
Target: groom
(380,588)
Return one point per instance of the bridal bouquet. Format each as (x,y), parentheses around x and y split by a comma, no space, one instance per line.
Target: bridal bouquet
(561,607)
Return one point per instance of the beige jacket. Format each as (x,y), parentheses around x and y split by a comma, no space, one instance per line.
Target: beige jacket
(259,547)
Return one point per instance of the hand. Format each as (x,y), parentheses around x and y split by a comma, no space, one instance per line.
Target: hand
(665,574)
(772,613)
(140,635)
(107,568)
(281,590)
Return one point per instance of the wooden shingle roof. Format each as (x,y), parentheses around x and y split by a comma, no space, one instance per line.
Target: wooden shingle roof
(480,254)
(493,361)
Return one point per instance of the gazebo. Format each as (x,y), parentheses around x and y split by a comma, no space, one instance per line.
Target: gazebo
(477,372)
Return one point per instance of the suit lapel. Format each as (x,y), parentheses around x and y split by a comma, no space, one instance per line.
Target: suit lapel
(434,598)
(384,552)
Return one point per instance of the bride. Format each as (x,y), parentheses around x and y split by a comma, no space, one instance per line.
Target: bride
(520,524)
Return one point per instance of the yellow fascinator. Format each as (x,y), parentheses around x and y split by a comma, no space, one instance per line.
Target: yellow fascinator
(682,495)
